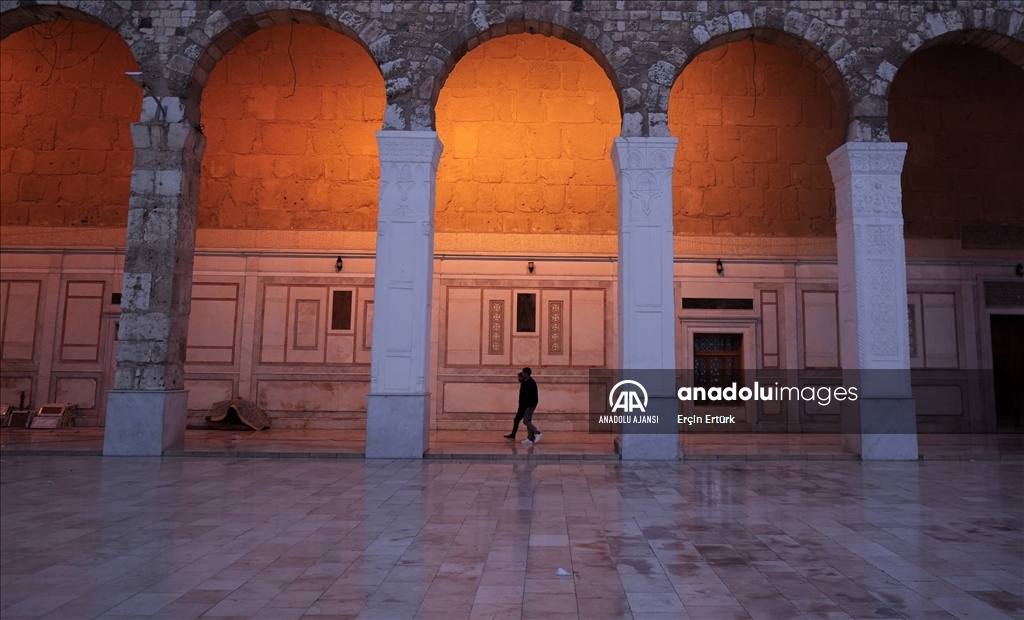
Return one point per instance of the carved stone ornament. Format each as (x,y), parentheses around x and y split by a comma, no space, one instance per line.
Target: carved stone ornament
(881,302)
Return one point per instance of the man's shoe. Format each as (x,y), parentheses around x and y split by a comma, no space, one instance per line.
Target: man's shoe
(537,438)
(510,437)
(526,442)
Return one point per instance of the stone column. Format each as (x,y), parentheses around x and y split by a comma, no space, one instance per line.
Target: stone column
(146,410)
(646,301)
(873,343)
(397,415)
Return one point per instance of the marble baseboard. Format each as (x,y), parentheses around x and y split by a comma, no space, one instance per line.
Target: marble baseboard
(145,423)
(397,426)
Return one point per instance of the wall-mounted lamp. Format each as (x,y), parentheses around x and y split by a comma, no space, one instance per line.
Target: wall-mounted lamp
(1019,270)
(530,267)
(338,264)
(720,268)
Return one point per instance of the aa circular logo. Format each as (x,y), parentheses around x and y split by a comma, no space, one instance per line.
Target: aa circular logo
(627,400)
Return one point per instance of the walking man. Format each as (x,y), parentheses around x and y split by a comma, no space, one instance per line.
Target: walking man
(527,403)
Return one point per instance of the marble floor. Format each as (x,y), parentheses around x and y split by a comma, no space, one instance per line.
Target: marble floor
(286,538)
(556,445)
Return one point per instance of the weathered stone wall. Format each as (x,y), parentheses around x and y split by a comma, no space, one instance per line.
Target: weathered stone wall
(528,123)
(292,150)
(642,46)
(755,122)
(857,48)
(961,111)
(66,109)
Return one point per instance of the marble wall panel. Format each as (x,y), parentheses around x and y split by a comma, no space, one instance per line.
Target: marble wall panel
(466,397)
(20,300)
(463,330)
(80,334)
(587,327)
(940,340)
(821,329)
(213,324)
(311,395)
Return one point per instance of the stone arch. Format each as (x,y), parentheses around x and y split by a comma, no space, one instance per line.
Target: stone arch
(1008,46)
(801,36)
(189,69)
(958,109)
(69,149)
(997,29)
(459,43)
(110,14)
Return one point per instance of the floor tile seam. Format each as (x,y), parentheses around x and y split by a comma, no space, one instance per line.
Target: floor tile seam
(502,457)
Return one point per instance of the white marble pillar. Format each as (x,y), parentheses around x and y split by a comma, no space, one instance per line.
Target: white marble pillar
(874,346)
(646,303)
(146,410)
(397,416)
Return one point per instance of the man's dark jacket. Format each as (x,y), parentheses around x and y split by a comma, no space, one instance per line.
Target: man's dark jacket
(528,393)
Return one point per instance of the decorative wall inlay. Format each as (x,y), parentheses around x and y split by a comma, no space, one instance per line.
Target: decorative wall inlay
(882,278)
(555,327)
(875,195)
(496,327)
(770,355)
(367,325)
(407,146)
(307,324)
(1004,294)
(686,245)
(716,303)
(880,240)
(991,237)
(912,329)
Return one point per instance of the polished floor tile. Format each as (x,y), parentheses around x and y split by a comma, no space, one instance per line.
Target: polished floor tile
(290,538)
(556,445)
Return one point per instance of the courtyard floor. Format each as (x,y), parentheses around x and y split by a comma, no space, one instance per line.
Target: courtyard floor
(283,538)
(555,445)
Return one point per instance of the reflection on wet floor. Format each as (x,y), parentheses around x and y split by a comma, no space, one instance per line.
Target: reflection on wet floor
(491,444)
(275,538)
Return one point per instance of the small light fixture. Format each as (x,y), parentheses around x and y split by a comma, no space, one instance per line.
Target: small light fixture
(338,264)
(720,268)
(1019,270)
(530,267)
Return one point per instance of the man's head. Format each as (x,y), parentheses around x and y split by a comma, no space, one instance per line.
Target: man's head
(521,376)
(527,371)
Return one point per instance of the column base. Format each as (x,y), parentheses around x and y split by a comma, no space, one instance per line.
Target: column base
(145,423)
(636,447)
(397,426)
(887,430)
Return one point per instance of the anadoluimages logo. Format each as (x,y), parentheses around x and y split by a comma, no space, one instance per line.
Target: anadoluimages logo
(628,400)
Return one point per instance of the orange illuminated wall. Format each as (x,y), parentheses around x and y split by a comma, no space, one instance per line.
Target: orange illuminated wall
(291,118)
(66,110)
(527,123)
(753,137)
(961,111)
